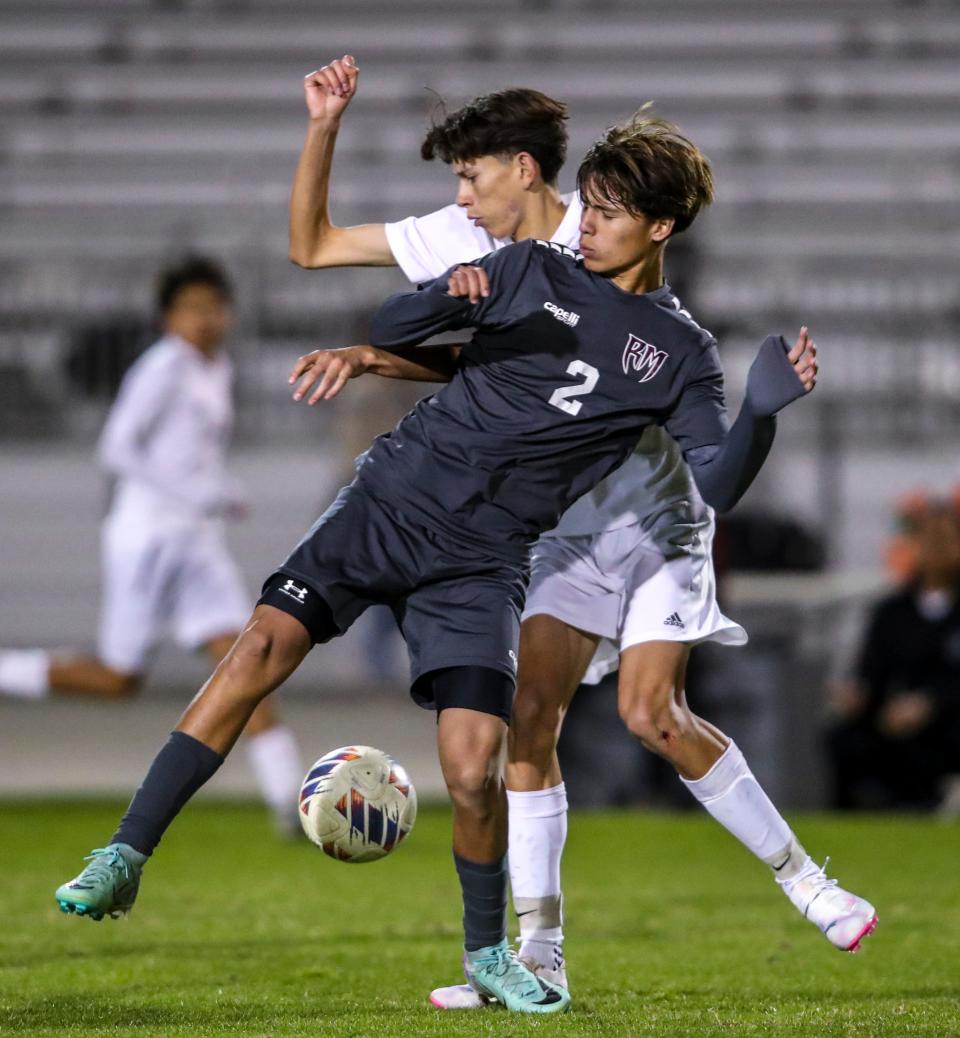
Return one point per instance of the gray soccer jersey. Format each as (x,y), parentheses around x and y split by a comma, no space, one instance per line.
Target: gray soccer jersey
(563,374)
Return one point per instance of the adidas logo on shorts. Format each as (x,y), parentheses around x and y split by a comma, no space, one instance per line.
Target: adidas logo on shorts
(673,620)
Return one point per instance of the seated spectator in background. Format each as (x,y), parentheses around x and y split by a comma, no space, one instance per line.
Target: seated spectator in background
(899,734)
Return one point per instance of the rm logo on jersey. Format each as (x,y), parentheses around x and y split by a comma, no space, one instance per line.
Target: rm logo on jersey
(642,359)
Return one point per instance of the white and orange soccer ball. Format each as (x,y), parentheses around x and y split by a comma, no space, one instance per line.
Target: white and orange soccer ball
(357,804)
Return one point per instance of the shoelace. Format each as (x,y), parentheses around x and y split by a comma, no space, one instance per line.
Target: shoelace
(817,878)
(820,877)
(104,869)
(821,884)
(508,969)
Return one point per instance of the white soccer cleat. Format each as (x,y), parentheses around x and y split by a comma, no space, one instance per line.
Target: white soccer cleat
(459,996)
(843,918)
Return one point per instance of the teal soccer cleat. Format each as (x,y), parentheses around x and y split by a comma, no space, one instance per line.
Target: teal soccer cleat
(463,996)
(497,973)
(107,886)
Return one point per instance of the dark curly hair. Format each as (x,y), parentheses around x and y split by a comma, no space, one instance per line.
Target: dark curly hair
(191,270)
(504,123)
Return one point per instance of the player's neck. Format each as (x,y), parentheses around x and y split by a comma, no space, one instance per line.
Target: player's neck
(542,215)
(645,276)
(207,351)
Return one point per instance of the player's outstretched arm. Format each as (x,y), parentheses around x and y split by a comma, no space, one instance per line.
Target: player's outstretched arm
(326,372)
(409,318)
(314,240)
(778,376)
(479,294)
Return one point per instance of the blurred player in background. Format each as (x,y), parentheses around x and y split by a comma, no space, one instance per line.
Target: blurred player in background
(165,563)
(626,578)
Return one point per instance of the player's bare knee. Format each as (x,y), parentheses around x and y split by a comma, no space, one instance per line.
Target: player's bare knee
(474,787)
(255,655)
(654,717)
(535,722)
(254,646)
(272,636)
(639,723)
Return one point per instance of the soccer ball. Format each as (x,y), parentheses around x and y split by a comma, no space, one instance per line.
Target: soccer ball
(357,804)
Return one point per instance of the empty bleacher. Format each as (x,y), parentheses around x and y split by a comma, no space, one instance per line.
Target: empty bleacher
(130,129)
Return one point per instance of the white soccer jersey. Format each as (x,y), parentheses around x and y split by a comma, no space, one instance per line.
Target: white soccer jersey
(426,246)
(653,488)
(166,436)
(166,565)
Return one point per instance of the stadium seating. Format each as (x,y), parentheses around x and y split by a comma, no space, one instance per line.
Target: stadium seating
(134,129)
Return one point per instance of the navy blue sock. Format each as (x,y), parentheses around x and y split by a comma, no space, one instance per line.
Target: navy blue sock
(177,772)
(484,889)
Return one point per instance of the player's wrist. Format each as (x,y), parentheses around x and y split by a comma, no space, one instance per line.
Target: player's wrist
(320,124)
(370,358)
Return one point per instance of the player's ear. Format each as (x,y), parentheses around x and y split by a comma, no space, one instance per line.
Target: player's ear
(661,228)
(527,167)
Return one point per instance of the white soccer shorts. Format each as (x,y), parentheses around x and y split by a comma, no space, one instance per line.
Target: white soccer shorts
(618,585)
(178,580)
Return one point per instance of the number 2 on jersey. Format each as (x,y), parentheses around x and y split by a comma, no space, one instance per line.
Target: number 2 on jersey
(561,397)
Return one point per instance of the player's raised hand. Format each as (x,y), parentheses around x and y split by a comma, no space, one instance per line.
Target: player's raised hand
(779,375)
(469,283)
(333,368)
(803,357)
(330,89)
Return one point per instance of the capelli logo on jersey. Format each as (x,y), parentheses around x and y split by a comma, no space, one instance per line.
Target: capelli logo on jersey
(566,316)
(642,359)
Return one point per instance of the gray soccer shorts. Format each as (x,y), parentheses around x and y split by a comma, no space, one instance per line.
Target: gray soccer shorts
(456,605)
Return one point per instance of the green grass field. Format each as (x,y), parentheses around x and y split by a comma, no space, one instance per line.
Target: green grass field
(672,929)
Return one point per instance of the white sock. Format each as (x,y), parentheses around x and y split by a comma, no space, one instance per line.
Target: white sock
(793,865)
(25,673)
(732,795)
(538,831)
(275,759)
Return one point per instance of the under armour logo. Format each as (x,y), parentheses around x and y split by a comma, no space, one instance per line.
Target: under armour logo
(295,591)
(642,359)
